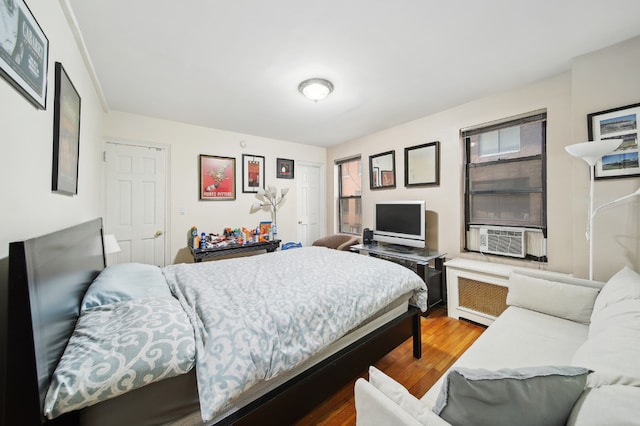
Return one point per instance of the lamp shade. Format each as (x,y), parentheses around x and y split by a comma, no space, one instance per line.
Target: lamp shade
(111,244)
(591,152)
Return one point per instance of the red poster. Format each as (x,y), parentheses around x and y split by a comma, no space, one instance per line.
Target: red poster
(217,178)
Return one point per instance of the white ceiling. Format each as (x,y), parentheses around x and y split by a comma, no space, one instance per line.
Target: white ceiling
(236,64)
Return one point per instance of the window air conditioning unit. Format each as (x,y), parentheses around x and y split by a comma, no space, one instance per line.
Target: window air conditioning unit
(504,241)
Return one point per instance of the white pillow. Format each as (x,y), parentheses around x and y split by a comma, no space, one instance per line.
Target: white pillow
(607,405)
(373,408)
(400,395)
(612,350)
(625,284)
(125,281)
(572,302)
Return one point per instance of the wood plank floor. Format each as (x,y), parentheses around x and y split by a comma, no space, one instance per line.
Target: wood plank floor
(444,339)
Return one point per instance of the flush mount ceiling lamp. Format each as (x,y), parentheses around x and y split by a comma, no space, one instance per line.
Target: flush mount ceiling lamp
(316,88)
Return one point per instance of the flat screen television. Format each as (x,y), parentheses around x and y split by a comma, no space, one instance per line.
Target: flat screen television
(400,222)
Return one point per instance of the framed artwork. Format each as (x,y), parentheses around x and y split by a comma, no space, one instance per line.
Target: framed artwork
(382,170)
(387,178)
(66,135)
(422,165)
(252,172)
(618,123)
(284,168)
(24,52)
(217,178)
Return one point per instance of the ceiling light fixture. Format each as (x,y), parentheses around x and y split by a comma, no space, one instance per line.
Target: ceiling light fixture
(316,88)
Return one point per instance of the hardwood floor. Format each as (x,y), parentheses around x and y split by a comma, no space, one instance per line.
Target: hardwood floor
(444,339)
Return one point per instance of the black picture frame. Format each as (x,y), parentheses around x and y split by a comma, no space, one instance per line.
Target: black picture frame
(24,52)
(252,173)
(422,165)
(382,170)
(66,134)
(284,168)
(616,123)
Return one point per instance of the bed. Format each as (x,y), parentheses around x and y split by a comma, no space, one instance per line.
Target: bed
(51,278)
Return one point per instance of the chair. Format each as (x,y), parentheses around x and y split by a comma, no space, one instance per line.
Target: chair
(337,241)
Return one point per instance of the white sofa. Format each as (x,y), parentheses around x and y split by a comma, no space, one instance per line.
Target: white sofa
(565,351)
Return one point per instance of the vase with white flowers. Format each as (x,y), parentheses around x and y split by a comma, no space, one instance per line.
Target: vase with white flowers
(270,199)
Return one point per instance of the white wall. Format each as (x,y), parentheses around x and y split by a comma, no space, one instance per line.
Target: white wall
(186,143)
(29,208)
(603,80)
(446,200)
(597,81)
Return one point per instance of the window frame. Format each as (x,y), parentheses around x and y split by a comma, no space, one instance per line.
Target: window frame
(342,197)
(538,116)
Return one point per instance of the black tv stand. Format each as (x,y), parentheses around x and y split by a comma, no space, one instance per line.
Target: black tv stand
(427,264)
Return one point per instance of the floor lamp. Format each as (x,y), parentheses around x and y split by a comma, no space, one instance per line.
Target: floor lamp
(591,152)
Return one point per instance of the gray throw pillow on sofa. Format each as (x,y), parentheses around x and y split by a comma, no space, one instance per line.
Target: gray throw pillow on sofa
(526,396)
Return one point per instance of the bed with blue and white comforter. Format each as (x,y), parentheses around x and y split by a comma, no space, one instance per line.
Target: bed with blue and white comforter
(256,319)
(241,322)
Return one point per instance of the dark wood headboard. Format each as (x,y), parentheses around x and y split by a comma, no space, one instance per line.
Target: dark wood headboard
(48,277)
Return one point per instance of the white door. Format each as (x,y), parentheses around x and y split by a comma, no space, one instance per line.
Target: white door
(311,202)
(135,202)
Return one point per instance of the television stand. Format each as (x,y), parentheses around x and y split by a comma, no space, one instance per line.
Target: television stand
(427,264)
(397,248)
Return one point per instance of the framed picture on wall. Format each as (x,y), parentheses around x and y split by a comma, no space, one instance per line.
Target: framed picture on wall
(284,168)
(618,123)
(24,52)
(422,165)
(387,177)
(217,178)
(252,172)
(66,135)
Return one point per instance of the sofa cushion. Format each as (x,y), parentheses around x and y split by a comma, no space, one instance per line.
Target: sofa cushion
(607,405)
(399,394)
(527,396)
(625,284)
(374,408)
(562,300)
(612,349)
(520,338)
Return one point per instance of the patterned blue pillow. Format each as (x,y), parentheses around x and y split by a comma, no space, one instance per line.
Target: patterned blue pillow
(119,347)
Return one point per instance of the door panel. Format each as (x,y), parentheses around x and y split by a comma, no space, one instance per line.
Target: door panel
(311,211)
(135,203)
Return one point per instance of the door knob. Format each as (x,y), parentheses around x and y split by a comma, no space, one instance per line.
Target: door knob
(299,222)
(158,233)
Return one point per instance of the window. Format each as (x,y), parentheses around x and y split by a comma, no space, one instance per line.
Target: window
(506,178)
(350,195)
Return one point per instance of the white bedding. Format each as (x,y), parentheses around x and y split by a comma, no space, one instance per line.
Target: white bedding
(255,322)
